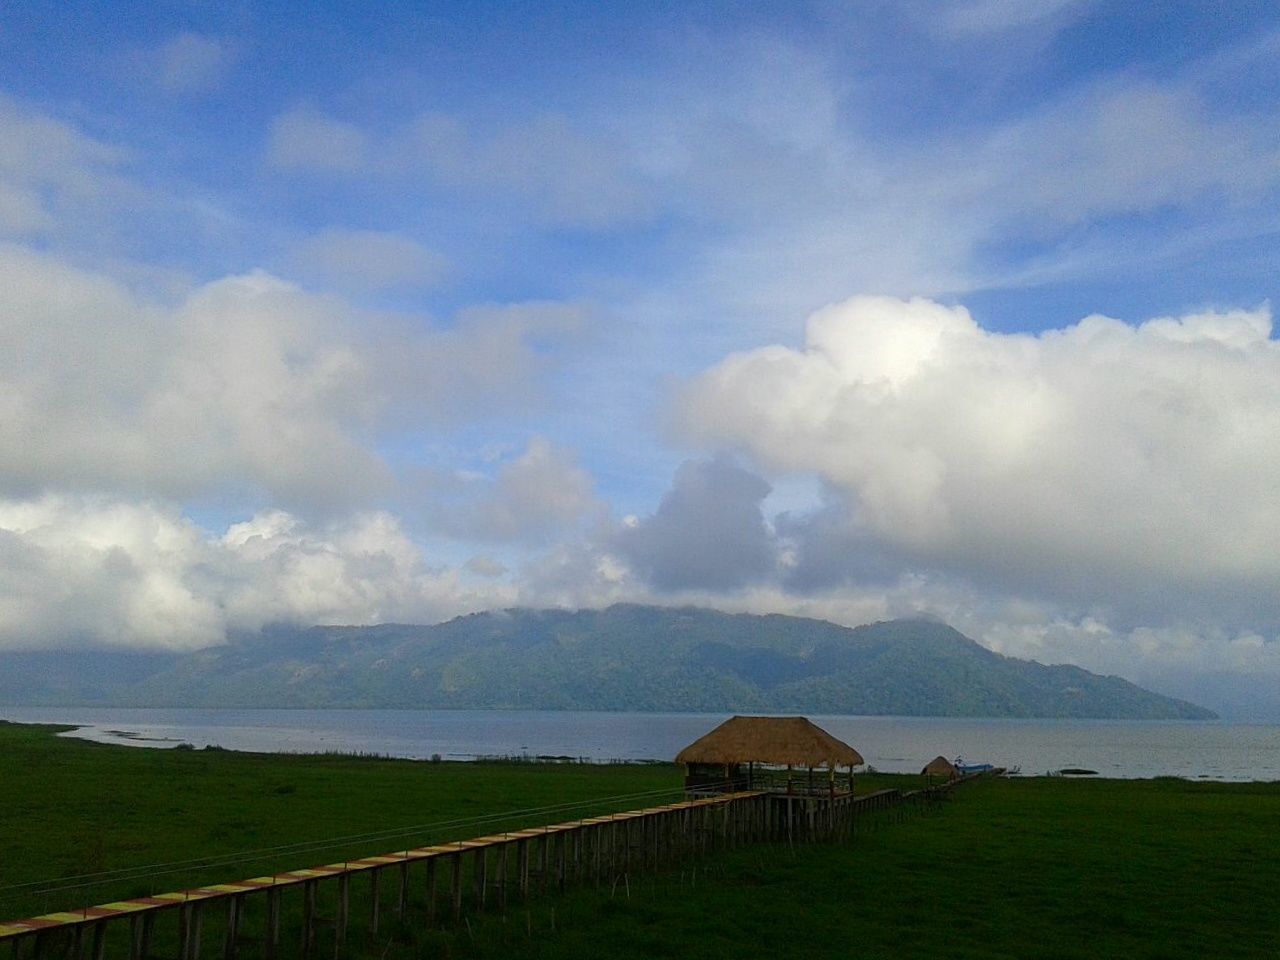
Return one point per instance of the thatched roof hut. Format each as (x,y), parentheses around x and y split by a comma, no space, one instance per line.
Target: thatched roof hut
(794,741)
(939,767)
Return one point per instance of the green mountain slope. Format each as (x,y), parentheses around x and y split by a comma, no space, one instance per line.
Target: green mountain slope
(626,657)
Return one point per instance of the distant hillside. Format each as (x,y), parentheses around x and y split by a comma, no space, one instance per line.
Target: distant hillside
(626,657)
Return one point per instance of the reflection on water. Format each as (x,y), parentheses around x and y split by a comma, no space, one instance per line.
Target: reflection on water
(1114,748)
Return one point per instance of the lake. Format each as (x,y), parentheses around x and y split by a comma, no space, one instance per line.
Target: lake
(1114,748)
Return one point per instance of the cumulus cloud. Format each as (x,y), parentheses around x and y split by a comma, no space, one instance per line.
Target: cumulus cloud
(536,497)
(48,167)
(98,572)
(369,260)
(246,386)
(1128,467)
(707,533)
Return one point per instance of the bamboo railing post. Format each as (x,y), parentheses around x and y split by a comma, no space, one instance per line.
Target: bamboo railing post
(374,900)
(148,932)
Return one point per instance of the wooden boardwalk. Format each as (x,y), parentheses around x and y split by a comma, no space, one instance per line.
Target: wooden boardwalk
(498,867)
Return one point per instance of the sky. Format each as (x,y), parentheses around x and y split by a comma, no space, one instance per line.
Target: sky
(355,313)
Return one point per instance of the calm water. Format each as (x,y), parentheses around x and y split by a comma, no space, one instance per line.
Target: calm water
(1114,748)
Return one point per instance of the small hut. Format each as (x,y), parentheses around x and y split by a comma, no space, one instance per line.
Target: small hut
(940,767)
(742,752)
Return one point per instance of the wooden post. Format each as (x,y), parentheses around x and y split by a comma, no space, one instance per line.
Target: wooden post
(500,875)
(148,932)
(522,868)
(374,900)
(272,933)
(402,901)
(431,890)
(597,835)
(135,936)
(99,946)
(184,931)
(234,905)
(456,885)
(344,912)
(562,843)
(546,861)
(309,916)
(480,876)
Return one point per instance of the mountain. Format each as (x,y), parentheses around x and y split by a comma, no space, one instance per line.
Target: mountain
(626,657)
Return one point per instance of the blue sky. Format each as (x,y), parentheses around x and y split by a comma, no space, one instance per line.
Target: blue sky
(350,312)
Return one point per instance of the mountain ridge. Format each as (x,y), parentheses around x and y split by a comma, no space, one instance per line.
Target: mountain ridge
(623,657)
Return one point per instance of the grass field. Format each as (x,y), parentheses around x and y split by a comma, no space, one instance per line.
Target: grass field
(73,808)
(1032,867)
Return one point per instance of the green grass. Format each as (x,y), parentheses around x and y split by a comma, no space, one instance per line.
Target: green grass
(1035,867)
(1038,867)
(73,808)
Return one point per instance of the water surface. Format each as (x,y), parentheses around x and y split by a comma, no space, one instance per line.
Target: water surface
(1114,748)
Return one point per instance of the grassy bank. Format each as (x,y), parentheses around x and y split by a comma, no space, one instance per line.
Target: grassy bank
(1052,868)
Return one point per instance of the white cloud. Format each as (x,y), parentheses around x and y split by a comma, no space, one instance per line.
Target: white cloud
(982,17)
(1130,468)
(539,496)
(570,176)
(708,532)
(48,167)
(307,140)
(107,572)
(551,168)
(365,260)
(186,62)
(248,386)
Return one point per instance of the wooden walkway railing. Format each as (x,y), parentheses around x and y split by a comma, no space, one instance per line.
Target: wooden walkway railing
(498,866)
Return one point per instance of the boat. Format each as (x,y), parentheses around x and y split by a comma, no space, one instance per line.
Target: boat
(965,769)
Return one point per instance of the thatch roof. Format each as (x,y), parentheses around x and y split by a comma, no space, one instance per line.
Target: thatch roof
(792,740)
(939,767)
